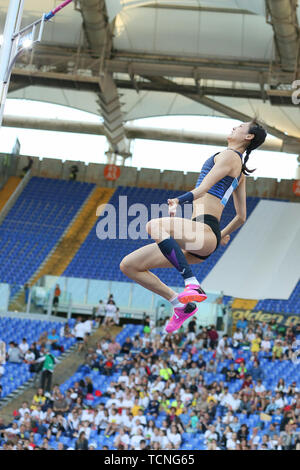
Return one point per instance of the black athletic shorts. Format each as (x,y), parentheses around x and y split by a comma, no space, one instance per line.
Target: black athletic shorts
(214,224)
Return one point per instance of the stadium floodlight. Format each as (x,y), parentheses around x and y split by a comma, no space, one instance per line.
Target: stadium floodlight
(27,42)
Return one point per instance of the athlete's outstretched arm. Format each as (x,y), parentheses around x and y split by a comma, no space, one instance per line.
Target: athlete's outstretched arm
(239,200)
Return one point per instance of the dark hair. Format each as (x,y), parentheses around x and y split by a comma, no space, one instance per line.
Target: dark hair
(260,135)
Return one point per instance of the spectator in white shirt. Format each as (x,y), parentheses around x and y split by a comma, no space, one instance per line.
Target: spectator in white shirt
(233,402)
(25,418)
(136,439)
(228,353)
(279,401)
(266,442)
(110,313)
(237,338)
(231,443)
(156,437)
(228,417)
(127,421)
(266,345)
(135,426)
(79,333)
(112,401)
(250,336)
(259,388)
(149,430)
(24,409)
(211,434)
(255,438)
(88,324)
(114,421)
(122,440)
(23,346)
(222,343)
(124,379)
(88,415)
(127,403)
(141,418)
(102,420)
(85,427)
(12,430)
(73,423)
(100,310)
(29,356)
(174,436)
(99,413)
(37,412)
(164,441)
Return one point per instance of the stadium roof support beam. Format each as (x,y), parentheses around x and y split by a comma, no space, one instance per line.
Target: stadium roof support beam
(22,78)
(232,70)
(282,15)
(95,25)
(99,35)
(291,142)
(132,132)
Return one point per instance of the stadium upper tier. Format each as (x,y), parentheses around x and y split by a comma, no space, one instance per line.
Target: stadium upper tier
(35,224)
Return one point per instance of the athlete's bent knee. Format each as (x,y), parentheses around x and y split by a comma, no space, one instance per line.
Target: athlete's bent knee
(149,226)
(153,227)
(126,265)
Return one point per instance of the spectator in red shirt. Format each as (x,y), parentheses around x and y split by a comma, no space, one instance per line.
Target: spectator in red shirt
(247,382)
(213,336)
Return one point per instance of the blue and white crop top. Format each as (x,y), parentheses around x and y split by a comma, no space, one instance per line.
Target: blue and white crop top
(223,188)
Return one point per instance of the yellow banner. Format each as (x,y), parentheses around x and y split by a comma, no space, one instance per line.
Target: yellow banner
(245,304)
(286,320)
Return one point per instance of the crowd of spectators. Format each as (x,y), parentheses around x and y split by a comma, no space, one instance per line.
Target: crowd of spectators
(161,397)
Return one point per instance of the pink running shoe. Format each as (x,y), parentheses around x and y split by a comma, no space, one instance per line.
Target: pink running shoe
(192,293)
(180,316)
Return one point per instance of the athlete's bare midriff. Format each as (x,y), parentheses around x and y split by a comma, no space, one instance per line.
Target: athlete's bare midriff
(208,204)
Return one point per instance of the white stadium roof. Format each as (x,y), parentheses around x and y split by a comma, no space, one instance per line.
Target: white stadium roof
(166,57)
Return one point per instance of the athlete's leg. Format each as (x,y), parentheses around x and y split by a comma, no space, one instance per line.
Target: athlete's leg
(173,234)
(189,235)
(136,266)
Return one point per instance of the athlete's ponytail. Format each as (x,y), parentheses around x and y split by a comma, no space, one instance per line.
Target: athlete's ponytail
(260,135)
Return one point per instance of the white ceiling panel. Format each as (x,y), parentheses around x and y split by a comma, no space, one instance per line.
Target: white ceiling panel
(171,32)
(194,33)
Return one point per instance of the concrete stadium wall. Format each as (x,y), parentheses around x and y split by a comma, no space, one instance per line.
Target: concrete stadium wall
(284,190)
(268,188)
(66,169)
(92,173)
(23,161)
(148,178)
(51,168)
(8,167)
(190,180)
(128,177)
(173,180)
